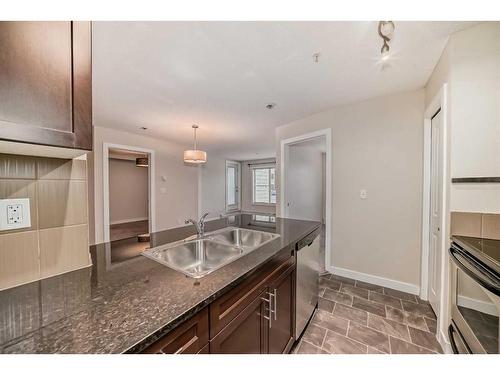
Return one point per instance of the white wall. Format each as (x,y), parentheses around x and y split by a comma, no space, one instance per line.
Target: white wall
(471,66)
(212,186)
(377,146)
(128,191)
(180,199)
(304,180)
(247,188)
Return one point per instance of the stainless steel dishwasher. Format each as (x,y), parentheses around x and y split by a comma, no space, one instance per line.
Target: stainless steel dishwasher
(307,279)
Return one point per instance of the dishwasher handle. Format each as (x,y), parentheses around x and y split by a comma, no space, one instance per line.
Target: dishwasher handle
(307,240)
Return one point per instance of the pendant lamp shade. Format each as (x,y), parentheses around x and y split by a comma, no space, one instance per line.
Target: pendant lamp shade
(195,156)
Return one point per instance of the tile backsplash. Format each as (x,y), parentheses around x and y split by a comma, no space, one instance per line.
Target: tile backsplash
(475,224)
(57,240)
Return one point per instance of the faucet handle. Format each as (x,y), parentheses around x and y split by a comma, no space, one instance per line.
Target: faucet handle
(204,216)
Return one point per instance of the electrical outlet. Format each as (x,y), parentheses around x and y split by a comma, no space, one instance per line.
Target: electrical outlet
(15,213)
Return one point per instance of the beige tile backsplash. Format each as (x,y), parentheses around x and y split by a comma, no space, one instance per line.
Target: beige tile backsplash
(475,224)
(61,203)
(57,240)
(63,249)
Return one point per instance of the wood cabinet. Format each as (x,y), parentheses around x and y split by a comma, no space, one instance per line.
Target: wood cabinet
(256,317)
(247,333)
(190,337)
(263,323)
(46,84)
(281,328)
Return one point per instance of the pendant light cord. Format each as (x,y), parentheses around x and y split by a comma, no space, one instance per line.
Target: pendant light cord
(195,141)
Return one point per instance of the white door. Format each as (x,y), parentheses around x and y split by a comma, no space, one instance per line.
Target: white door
(435,238)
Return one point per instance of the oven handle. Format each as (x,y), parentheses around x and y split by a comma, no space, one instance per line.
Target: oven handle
(474,270)
(454,347)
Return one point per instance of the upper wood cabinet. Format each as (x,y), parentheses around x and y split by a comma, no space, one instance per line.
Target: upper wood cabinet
(46,83)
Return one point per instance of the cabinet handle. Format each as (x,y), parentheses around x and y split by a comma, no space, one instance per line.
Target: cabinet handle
(270,308)
(275,296)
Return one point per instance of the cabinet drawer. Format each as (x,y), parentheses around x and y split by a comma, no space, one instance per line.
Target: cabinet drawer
(224,309)
(190,337)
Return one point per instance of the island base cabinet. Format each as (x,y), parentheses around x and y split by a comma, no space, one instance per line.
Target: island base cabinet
(246,333)
(190,337)
(281,328)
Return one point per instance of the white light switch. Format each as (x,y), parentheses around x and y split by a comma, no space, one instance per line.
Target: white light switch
(363,194)
(15,213)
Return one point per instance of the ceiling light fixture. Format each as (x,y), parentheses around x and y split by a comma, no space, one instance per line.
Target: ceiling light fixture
(270,106)
(385,30)
(195,156)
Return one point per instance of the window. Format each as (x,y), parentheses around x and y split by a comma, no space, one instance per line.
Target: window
(264,188)
(232,186)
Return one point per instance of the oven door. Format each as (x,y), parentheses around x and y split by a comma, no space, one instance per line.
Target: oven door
(475,305)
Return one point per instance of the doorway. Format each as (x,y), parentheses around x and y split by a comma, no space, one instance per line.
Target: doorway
(435,213)
(306,184)
(128,208)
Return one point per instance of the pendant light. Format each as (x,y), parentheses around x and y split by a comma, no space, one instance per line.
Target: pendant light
(195,156)
(142,162)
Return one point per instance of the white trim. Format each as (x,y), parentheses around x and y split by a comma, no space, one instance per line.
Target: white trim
(444,342)
(128,220)
(285,143)
(440,101)
(377,280)
(238,181)
(105,176)
(475,304)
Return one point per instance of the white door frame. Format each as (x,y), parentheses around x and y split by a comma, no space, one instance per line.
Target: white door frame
(285,145)
(105,182)
(440,101)
(237,164)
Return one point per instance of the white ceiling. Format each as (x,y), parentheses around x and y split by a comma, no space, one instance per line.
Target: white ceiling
(220,75)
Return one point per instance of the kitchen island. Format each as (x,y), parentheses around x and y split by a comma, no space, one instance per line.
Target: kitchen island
(127,306)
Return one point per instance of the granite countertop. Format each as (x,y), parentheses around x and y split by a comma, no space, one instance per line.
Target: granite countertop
(125,301)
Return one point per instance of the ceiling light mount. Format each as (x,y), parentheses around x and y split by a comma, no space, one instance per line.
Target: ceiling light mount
(386,31)
(195,156)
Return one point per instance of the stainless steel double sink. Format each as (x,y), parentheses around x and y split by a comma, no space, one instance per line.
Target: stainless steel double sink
(200,256)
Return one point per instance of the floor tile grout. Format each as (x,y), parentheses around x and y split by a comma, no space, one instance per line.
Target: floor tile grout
(370,293)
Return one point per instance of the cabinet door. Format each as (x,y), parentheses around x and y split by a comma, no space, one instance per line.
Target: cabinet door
(281,328)
(45,83)
(190,337)
(246,333)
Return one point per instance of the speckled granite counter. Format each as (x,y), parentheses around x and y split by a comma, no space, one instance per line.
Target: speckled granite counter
(124,303)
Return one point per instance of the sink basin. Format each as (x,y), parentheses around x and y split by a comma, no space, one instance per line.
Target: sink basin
(199,257)
(243,238)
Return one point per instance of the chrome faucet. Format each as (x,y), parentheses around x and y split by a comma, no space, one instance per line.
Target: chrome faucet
(199,225)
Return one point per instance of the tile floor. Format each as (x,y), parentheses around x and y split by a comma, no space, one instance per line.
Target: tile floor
(356,317)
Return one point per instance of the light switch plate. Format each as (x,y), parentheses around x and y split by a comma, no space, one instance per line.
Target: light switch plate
(363,194)
(15,213)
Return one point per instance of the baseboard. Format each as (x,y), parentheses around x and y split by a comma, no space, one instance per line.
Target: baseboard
(128,220)
(377,280)
(475,304)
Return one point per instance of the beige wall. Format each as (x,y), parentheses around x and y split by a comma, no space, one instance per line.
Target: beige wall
(176,198)
(57,240)
(128,191)
(212,186)
(246,188)
(470,65)
(377,146)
